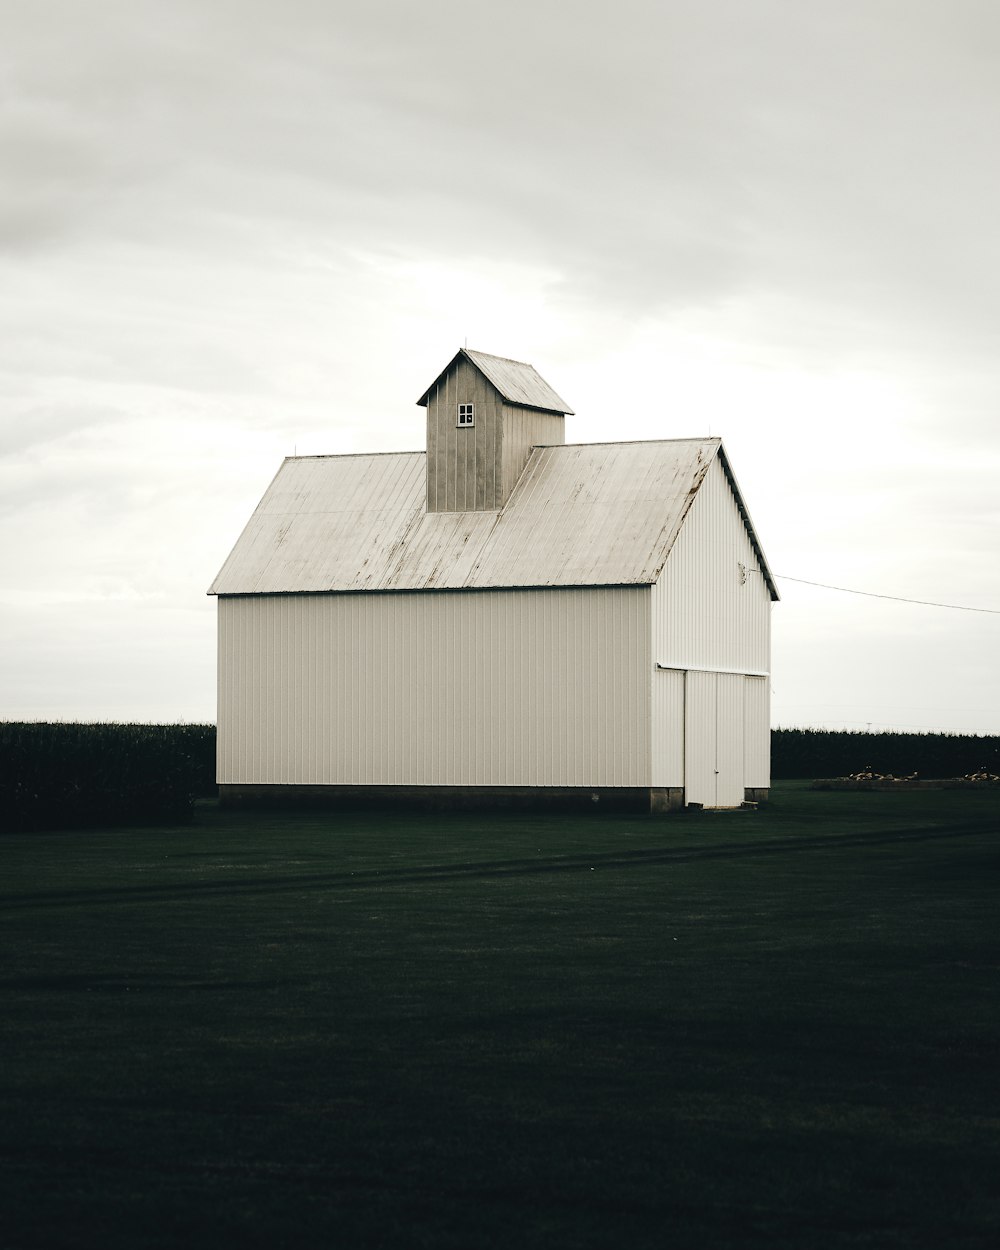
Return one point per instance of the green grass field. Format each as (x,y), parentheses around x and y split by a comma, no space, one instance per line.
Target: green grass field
(751,1029)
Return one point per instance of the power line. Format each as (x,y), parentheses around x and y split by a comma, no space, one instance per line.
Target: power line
(870,594)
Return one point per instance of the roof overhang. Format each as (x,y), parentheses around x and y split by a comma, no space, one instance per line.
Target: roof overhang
(764,569)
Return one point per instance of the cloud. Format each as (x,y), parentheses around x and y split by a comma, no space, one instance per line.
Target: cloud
(228,231)
(658,156)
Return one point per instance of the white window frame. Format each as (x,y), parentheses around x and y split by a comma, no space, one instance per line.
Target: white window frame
(466,416)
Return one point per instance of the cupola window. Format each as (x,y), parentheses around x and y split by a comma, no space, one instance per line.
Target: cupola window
(466,414)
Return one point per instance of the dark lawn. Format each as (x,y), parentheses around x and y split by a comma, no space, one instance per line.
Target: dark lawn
(770,1029)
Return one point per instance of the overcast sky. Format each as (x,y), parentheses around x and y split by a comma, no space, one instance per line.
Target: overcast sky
(231,230)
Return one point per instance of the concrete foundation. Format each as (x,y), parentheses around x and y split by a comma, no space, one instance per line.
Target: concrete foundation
(667,800)
(457,798)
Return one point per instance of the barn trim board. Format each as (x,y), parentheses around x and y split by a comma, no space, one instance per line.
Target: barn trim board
(486,623)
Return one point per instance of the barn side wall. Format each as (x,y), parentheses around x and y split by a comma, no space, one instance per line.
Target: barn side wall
(463,688)
(708,613)
(524,428)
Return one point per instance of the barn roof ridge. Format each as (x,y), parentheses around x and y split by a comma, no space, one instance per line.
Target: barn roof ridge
(507,360)
(602,442)
(343,455)
(635,442)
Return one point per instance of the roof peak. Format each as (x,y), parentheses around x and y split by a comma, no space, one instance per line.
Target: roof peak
(509,360)
(603,442)
(342,455)
(518,382)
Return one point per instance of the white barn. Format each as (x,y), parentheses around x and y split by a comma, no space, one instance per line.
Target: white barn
(504,618)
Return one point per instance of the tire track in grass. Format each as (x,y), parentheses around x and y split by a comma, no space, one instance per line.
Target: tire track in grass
(479,869)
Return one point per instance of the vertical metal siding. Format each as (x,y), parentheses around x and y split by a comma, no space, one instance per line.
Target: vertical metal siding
(714,738)
(476,468)
(704,615)
(699,738)
(729,739)
(521,688)
(707,614)
(668,728)
(463,465)
(524,428)
(757,732)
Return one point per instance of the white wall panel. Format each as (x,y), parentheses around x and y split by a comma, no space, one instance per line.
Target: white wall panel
(729,740)
(699,738)
(521,688)
(711,610)
(757,731)
(714,738)
(668,728)
(706,612)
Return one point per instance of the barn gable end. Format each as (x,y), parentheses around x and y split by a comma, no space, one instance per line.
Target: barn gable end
(711,642)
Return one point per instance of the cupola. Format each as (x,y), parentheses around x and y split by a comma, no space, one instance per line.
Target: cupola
(484,415)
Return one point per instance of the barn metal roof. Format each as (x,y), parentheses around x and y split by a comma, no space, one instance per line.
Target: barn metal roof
(517,382)
(585,514)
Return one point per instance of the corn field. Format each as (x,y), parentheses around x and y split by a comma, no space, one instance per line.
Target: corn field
(61,776)
(811,753)
(55,776)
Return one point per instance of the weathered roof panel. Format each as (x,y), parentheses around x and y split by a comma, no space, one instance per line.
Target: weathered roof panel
(517,382)
(326,523)
(439,550)
(592,514)
(586,514)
